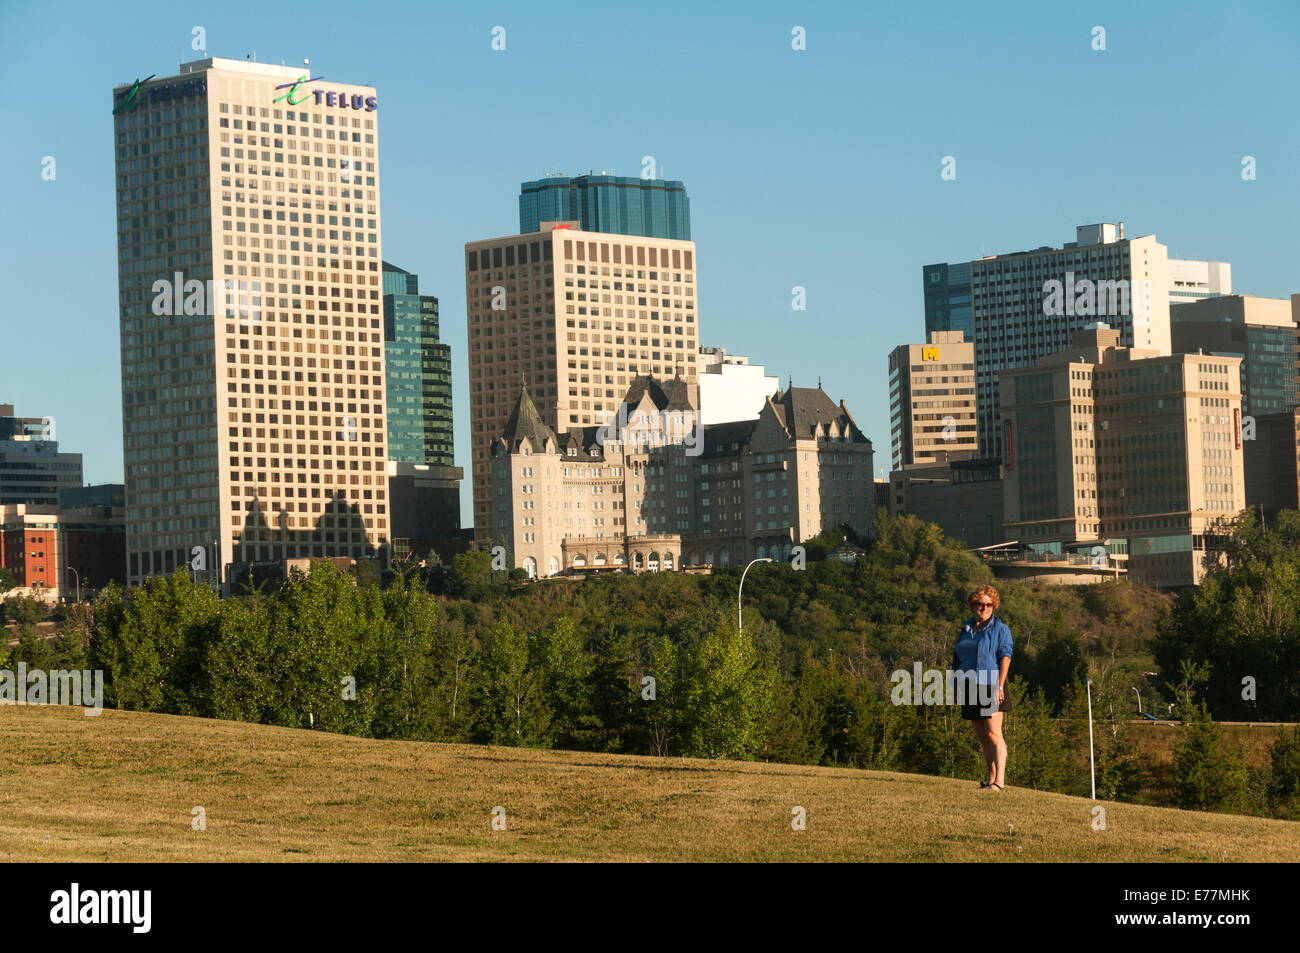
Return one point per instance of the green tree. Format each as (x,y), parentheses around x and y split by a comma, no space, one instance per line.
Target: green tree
(407,659)
(812,717)
(1035,749)
(875,729)
(1284,776)
(470,574)
(240,666)
(514,709)
(446,703)
(26,609)
(1058,663)
(153,647)
(70,647)
(662,714)
(1243,622)
(728,693)
(937,740)
(1206,777)
(326,637)
(1118,771)
(620,720)
(32,649)
(565,672)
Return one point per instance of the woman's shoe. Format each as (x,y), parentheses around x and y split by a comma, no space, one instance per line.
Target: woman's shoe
(997,787)
(984,784)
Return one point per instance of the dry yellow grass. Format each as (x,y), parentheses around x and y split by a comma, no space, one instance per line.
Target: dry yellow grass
(121,787)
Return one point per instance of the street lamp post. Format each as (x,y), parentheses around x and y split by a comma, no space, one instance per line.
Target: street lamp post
(78,575)
(1139,694)
(1092,760)
(740,622)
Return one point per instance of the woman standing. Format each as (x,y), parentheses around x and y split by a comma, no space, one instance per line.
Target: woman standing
(984,648)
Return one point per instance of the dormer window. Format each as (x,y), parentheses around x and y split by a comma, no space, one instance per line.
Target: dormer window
(573,451)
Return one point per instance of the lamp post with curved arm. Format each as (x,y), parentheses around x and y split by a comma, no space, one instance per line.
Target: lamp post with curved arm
(740,622)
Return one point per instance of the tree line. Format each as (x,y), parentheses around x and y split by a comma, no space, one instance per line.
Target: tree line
(656,664)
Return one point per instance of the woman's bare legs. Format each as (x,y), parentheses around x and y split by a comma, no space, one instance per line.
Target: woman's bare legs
(998,760)
(986,746)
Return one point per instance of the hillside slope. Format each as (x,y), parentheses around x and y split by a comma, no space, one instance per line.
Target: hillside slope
(123,786)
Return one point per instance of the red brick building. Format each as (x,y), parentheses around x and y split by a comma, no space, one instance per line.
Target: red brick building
(29,545)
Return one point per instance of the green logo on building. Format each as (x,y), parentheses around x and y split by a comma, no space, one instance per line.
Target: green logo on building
(293,88)
(129,102)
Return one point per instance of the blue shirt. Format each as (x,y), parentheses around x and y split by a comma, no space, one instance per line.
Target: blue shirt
(980,650)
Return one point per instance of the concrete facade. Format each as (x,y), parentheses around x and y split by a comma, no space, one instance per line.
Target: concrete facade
(1261,331)
(32,470)
(1272,463)
(932,399)
(29,548)
(961,493)
(655,482)
(253,420)
(1015,319)
(576,316)
(731,388)
(1124,453)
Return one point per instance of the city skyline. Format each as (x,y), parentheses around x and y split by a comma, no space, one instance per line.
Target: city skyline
(889,205)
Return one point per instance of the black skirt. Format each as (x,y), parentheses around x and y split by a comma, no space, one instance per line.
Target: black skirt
(971,712)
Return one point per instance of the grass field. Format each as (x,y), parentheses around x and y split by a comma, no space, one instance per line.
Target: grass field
(122,786)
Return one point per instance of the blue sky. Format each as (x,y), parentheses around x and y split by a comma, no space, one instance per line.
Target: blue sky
(818,168)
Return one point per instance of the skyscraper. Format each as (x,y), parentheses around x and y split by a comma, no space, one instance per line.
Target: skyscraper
(423,483)
(418,370)
(1124,452)
(652,208)
(251,321)
(32,471)
(947,298)
(1028,304)
(931,399)
(1260,331)
(575,316)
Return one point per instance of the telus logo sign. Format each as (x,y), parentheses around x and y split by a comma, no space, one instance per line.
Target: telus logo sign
(133,98)
(73,906)
(336,99)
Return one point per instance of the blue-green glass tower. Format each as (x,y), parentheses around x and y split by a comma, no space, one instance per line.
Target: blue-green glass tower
(947,299)
(418,373)
(654,208)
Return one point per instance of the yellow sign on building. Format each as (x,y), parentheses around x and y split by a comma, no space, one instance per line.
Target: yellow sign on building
(929,354)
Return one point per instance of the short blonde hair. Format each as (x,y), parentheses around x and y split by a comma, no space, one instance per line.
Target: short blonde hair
(986,591)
